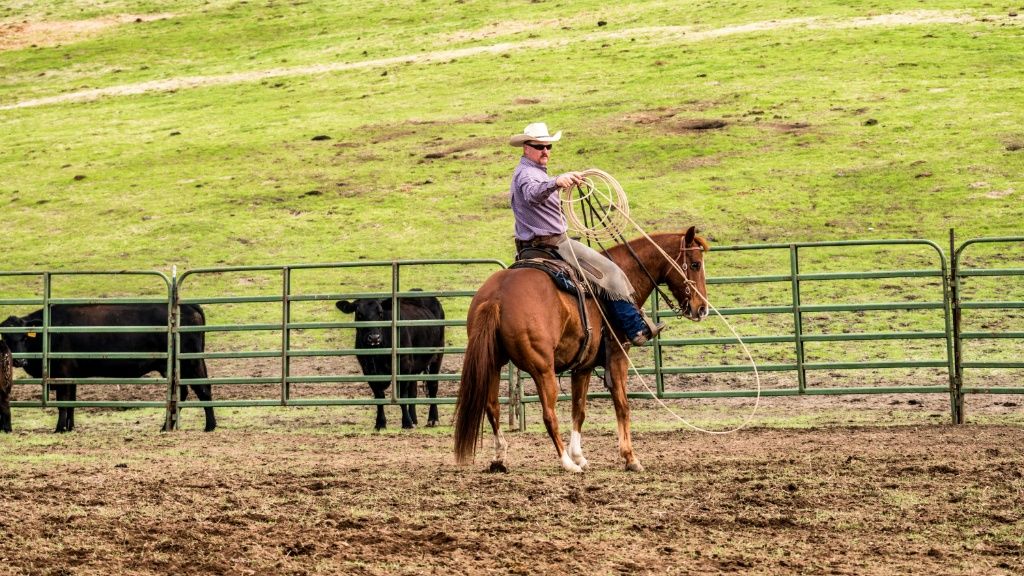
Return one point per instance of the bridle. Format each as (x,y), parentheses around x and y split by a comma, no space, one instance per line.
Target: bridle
(688,285)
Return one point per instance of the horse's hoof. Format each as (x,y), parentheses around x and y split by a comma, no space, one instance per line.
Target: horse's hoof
(432,424)
(498,466)
(634,467)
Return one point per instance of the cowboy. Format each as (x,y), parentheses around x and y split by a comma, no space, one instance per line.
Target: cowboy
(539,222)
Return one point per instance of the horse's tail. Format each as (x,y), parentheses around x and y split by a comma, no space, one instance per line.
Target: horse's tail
(478,373)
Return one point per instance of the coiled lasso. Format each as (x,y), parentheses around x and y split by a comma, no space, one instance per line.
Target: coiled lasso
(599,209)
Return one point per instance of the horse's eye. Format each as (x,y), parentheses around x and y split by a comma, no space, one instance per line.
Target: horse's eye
(695,266)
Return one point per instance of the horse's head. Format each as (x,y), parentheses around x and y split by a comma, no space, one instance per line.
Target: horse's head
(690,289)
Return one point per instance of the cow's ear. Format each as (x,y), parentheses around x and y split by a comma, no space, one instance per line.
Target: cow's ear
(12,321)
(346,306)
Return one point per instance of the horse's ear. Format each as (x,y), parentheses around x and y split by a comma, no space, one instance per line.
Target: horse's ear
(690,234)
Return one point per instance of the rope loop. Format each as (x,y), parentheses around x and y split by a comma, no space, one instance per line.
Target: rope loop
(597,209)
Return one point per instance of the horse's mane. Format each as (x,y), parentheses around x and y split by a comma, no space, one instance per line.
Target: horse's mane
(642,243)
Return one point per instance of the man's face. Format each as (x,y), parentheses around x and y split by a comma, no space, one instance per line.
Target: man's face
(540,156)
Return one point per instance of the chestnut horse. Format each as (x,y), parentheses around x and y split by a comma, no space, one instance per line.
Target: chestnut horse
(519,315)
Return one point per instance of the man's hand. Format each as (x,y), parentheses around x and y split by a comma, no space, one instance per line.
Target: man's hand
(569,179)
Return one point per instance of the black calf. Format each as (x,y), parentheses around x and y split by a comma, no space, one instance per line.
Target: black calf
(6,382)
(379,309)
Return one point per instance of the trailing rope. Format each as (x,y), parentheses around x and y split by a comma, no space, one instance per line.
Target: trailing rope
(609,223)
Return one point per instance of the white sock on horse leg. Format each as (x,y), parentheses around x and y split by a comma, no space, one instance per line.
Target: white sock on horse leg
(500,447)
(576,449)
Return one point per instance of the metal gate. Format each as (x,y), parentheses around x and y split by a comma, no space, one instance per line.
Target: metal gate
(787,289)
(41,286)
(286,289)
(1004,349)
(793,279)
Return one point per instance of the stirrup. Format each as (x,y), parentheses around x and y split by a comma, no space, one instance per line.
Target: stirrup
(647,334)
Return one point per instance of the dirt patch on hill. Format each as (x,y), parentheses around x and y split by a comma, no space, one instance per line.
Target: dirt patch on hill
(23,34)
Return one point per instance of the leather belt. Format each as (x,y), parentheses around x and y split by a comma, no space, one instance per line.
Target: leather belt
(548,240)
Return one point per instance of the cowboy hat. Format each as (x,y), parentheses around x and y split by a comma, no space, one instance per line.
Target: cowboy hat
(537,131)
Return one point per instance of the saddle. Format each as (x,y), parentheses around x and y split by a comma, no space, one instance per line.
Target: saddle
(567,279)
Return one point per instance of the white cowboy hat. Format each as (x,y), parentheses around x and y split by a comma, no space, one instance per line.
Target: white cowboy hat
(537,131)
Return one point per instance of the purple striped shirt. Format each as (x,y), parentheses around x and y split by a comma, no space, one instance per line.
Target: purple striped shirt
(535,203)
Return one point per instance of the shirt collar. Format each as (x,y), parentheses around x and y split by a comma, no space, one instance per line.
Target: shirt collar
(528,162)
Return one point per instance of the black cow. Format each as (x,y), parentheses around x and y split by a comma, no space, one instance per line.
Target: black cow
(108,315)
(379,309)
(6,382)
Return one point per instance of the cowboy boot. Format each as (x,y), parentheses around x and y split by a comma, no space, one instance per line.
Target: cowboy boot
(653,329)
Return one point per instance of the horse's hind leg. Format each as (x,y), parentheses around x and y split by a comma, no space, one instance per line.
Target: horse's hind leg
(580,385)
(618,377)
(493,411)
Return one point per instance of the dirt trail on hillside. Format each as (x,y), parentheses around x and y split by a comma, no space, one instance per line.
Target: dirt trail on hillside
(657,33)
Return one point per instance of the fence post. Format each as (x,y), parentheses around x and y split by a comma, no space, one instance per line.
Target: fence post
(286,317)
(47,293)
(396,311)
(957,379)
(174,380)
(794,267)
(514,406)
(659,376)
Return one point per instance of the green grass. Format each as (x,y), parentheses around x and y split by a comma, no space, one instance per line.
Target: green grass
(223,174)
(832,133)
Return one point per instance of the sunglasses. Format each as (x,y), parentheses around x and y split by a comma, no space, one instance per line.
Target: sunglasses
(539,146)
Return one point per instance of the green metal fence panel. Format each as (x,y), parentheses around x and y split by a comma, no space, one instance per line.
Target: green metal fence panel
(795,282)
(45,300)
(990,297)
(286,323)
(942,298)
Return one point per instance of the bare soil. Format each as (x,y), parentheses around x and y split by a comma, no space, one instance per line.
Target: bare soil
(288,495)
(18,34)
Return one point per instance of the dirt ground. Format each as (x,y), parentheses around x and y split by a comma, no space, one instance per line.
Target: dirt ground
(282,491)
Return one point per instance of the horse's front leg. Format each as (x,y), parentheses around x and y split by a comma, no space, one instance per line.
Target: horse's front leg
(547,389)
(580,386)
(619,367)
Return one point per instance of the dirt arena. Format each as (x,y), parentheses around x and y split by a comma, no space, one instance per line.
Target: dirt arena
(313,491)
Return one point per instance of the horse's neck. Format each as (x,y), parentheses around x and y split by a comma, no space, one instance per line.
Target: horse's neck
(648,255)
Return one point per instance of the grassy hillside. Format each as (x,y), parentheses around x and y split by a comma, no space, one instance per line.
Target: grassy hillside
(875,120)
